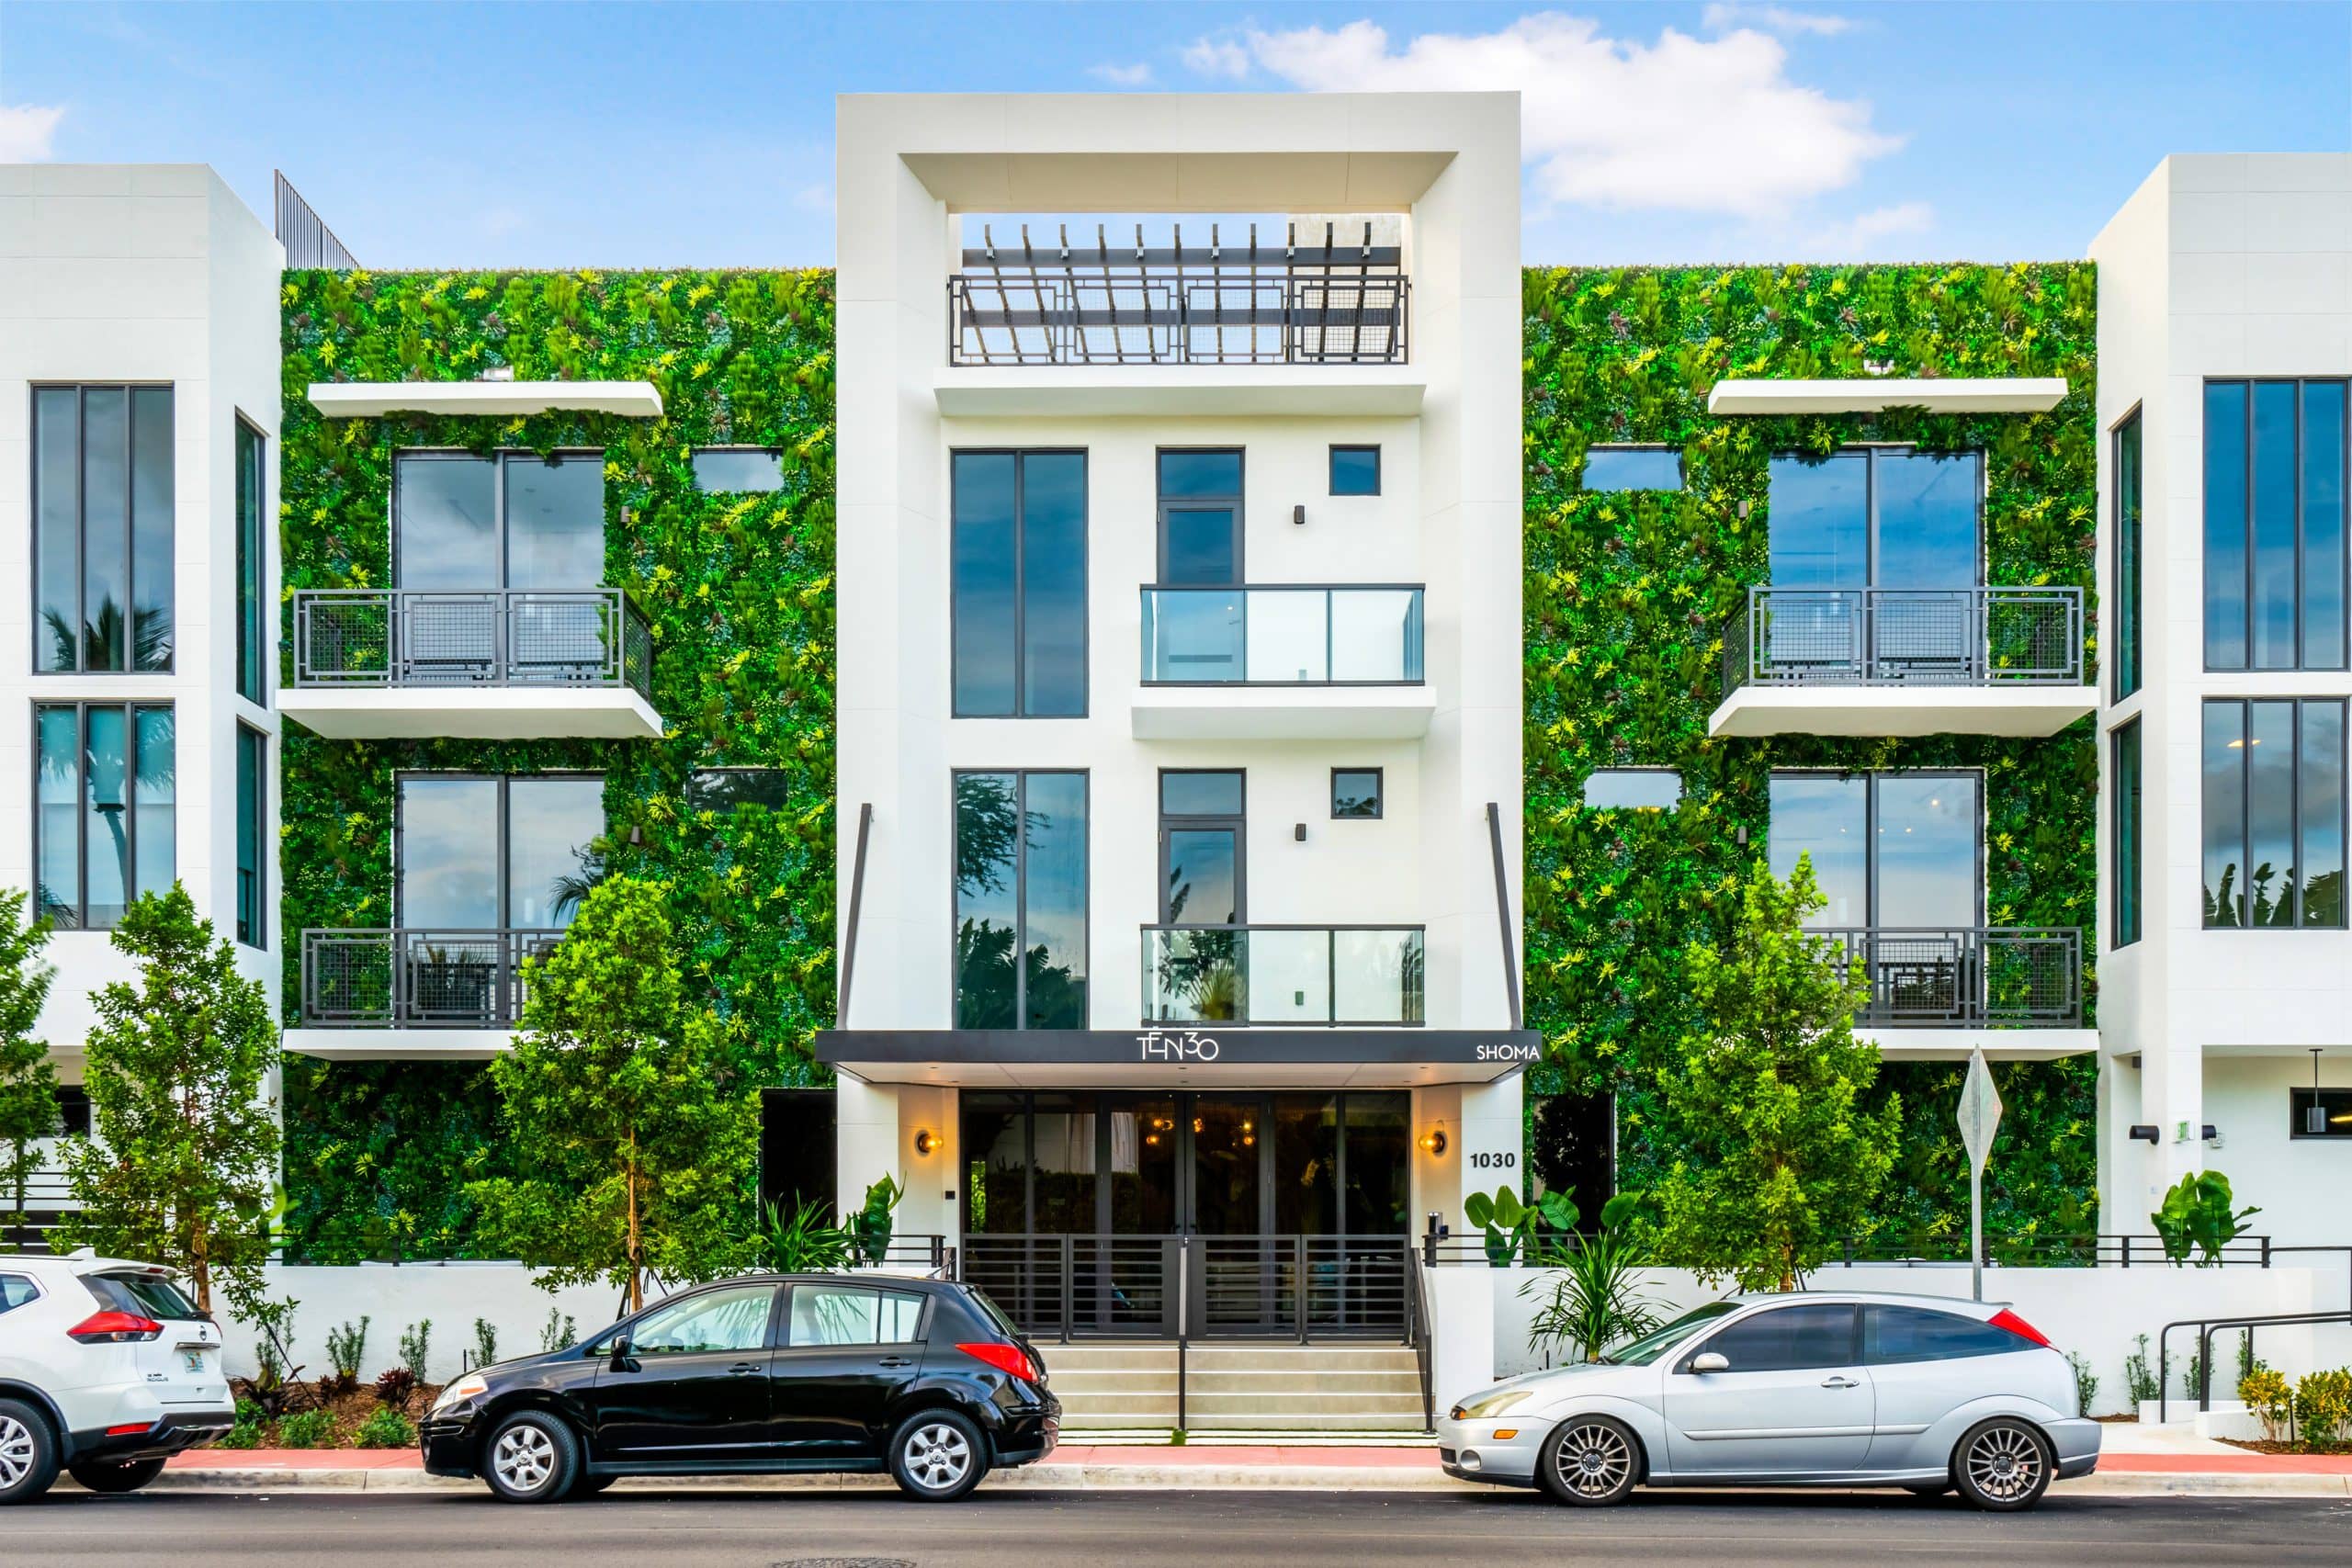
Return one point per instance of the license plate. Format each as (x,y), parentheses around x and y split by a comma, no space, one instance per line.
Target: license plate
(195,1360)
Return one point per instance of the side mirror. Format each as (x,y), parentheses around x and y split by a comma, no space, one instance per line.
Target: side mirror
(621,1360)
(1709,1361)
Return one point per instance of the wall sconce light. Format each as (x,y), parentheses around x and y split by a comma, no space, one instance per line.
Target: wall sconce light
(1298,833)
(1433,1143)
(1299,515)
(635,837)
(925,1141)
(2144,1132)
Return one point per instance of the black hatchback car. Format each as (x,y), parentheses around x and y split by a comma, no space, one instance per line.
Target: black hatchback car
(759,1374)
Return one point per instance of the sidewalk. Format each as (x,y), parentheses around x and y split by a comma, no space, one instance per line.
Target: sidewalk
(2236,1471)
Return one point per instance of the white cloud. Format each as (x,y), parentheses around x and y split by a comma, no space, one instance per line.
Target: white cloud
(818,198)
(1222,56)
(27,131)
(1694,125)
(1138,75)
(1723,17)
(1860,237)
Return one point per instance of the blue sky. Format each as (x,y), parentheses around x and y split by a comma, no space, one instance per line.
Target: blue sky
(678,134)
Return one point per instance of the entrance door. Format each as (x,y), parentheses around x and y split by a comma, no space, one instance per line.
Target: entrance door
(1241,1272)
(1202,968)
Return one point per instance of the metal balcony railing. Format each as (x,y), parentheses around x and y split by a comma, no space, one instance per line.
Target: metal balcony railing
(417,979)
(1284,635)
(362,637)
(1905,637)
(1352,975)
(1336,304)
(1930,977)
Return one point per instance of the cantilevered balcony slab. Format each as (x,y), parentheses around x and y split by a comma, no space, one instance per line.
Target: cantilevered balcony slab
(1146,390)
(1282,661)
(370,399)
(1874,394)
(1896,1043)
(399,1044)
(1282,713)
(2022,712)
(472,712)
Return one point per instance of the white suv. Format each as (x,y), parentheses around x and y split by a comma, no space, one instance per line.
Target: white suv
(106,1368)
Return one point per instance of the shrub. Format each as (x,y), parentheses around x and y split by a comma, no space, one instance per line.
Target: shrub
(415,1340)
(485,1342)
(2323,1406)
(310,1429)
(559,1331)
(385,1428)
(393,1386)
(246,1432)
(2138,1381)
(345,1347)
(2086,1382)
(2266,1394)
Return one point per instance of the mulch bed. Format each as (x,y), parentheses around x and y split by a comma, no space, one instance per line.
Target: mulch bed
(345,1412)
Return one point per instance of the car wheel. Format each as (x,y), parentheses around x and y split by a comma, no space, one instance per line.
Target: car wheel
(937,1456)
(2003,1465)
(97,1475)
(1590,1461)
(531,1458)
(27,1452)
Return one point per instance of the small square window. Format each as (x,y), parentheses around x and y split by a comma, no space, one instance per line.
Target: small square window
(735,470)
(1636,789)
(2334,1113)
(1355,470)
(1633,468)
(1355,792)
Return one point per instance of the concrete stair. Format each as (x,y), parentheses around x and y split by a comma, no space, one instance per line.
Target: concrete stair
(1237,1386)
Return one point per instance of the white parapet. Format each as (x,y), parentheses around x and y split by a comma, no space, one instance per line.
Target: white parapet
(1957,394)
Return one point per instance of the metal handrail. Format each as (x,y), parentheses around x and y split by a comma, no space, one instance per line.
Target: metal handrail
(1421,1322)
(1126,317)
(1215,969)
(1958,976)
(2205,1327)
(417,979)
(1224,644)
(367,636)
(1905,637)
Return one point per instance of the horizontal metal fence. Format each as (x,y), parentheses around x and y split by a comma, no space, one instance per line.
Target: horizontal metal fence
(27,1217)
(352,636)
(1894,636)
(417,979)
(1072,1286)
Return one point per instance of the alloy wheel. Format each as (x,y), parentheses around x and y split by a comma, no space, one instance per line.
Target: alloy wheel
(2005,1462)
(938,1456)
(15,1451)
(1594,1460)
(522,1458)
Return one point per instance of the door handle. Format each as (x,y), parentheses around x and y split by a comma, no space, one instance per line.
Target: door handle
(1840,1380)
(745,1368)
(896,1361)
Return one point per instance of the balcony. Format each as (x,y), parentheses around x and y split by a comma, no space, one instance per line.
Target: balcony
(1290,662)
(401,994)
(497,664)
(1937,993)
(1889,662)
(1357,977)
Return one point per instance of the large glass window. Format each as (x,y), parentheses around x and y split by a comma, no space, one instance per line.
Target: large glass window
(2275,557)
(2274,813)
(2127,557)
(1018,599)
(103,828)
(253,563)
(253,836)
(491,854)
(1880,518)
(102,528)
(1889,851)
(2123,830)
(463,524)
(1020,900)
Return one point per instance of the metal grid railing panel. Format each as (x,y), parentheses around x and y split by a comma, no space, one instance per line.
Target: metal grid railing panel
(1960,976)
(418,980)
(494,637)
(1887,637)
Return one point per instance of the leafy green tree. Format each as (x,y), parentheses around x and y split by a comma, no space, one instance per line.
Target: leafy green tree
(636,1158)
(28,1082)
(184,1160)
(1777,1154)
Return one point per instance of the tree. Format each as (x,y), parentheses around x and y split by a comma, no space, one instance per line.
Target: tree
(184,1160)
(1776,1156)
(28,1082)
(638,1160)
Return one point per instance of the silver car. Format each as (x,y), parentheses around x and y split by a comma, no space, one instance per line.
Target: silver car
(1823,1389)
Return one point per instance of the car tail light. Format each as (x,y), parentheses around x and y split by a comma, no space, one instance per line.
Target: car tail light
(1010,1360)
(127,1432)
(115,1329)
(2007,1319)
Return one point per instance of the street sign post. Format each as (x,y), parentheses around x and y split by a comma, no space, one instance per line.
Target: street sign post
(1980,1113)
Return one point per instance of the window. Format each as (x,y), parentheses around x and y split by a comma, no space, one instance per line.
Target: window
(103,821)
(2274,524)
(2334,1106)
(72,1110)
(253,564)
(1018,594)
(737,470)
(16,1291)
(1790,1338)
(1020,900)
(488,854)
(727,789)
(1199,518)
(253,835)
(2274,813)
(1893,1335)
(842,1314)
(1879,517)
(1639,789)
(1888,849)
(2127,557)
(1355,792)
(1633,468)
(728,1320)
(102,528)
(1203,866)
(2123,829)
(1355,470)
(463,524)
(143,1295)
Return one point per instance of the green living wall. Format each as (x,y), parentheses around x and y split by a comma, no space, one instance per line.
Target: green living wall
(1628,596)
(738,590)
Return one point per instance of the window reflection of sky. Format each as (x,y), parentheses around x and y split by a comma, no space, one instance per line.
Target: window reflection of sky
(1922,862)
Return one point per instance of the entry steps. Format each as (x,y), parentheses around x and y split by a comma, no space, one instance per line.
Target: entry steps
(1237,1386)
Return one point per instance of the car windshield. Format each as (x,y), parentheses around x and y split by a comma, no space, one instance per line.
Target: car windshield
(1657,1342)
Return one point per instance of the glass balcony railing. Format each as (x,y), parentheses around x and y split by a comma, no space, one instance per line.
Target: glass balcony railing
(1282,634)
(1283,974)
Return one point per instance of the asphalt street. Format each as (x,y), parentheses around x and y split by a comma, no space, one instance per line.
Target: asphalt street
(1147,1529)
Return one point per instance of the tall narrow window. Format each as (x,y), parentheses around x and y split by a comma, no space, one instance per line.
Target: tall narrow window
(1203,879)
(102,528)
(1018,596)
(2127,557)
(2274,555)
(104,797)
(2274,813)
(252,561)
(253,835)
(1020,900)
(2123,831)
